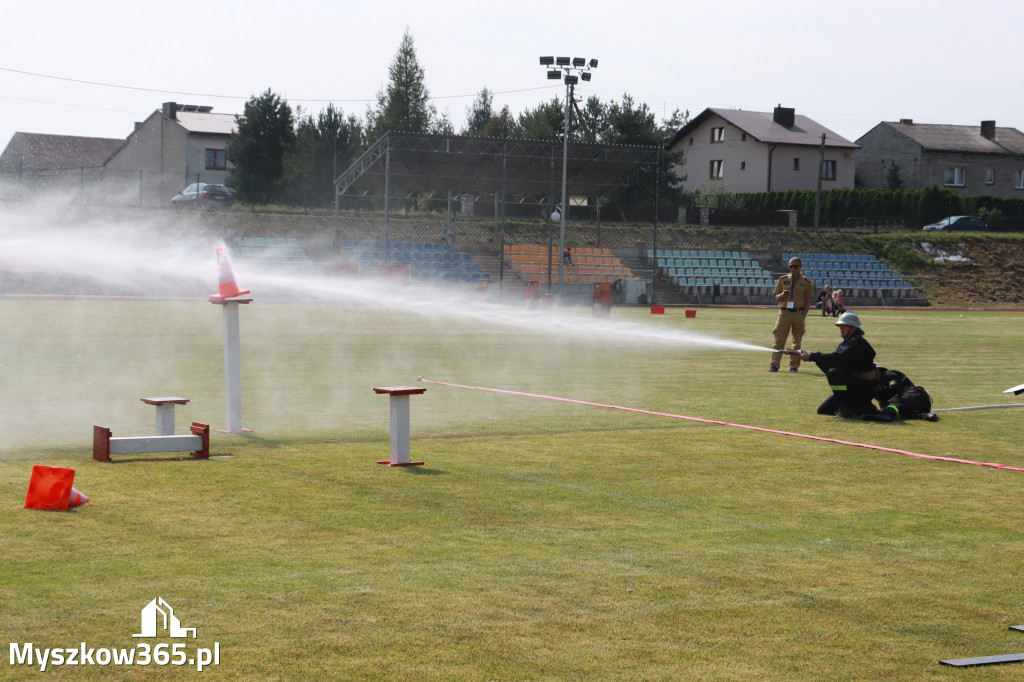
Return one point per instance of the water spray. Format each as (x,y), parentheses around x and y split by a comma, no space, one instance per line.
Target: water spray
(722,423)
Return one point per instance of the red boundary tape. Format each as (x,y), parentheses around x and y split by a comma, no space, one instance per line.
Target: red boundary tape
(721,423)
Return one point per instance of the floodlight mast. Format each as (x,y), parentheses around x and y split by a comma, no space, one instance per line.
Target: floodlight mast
(574,69)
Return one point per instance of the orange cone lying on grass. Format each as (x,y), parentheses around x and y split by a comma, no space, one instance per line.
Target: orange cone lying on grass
(50,488)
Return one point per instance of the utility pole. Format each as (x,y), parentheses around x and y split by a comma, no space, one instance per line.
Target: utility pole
(821,171)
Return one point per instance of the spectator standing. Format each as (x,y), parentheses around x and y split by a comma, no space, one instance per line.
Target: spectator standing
(795,296)
(824,300)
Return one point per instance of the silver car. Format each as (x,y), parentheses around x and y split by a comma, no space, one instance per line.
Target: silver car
(200,194)
(958,222)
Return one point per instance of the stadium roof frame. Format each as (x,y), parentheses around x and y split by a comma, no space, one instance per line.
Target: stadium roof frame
(415,162)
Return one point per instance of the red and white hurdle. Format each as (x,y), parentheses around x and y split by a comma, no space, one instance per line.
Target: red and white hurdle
(104,445)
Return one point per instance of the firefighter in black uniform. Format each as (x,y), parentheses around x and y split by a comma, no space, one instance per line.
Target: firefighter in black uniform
(850,371)
(900,398)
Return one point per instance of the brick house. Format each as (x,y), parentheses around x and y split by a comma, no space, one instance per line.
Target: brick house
(971,160)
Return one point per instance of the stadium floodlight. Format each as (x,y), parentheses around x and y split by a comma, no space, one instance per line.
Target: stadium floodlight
(574,69)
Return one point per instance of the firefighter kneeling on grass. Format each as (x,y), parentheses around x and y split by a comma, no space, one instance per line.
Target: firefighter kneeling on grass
(850,371)
(900,398)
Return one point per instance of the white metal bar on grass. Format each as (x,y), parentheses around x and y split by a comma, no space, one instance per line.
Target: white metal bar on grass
(148,444)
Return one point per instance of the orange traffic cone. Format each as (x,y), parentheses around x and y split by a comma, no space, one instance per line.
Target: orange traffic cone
(50,488)
(76,498)
(228,287)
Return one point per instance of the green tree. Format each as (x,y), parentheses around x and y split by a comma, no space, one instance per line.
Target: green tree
(479,113)
(545,122)
(631,124)
(892,177)
(404,104)
(500,125)
(324,146)
(264,134)
(442,125)
(590,122)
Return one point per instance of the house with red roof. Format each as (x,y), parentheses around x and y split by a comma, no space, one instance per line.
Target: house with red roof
(754,151)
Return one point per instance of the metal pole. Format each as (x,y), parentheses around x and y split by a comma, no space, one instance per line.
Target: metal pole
(551,222)
(565,202)
(232,367)
(821,171)
(501,252)
(336,242)
(654,265)
(387,200)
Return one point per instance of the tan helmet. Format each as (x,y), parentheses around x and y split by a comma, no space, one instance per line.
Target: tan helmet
(851,319)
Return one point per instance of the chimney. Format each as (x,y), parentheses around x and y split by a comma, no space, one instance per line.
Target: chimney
(988,129)
(171,110)
(906,121)
(784,116)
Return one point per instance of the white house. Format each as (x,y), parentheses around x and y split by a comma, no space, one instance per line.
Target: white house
(175,146)
(754,151)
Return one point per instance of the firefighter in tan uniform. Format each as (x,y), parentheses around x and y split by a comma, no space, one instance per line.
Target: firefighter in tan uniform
(795,294)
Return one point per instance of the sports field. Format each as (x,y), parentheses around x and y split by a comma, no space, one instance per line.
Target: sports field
(542,539)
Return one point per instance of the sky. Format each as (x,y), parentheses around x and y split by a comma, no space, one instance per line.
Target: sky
(95,68)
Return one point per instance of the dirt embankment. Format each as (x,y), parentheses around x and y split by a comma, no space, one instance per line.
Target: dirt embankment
(991,274)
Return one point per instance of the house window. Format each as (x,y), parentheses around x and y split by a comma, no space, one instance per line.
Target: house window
(216,159)
(743,138)
(990,176)
(743,165)
(954,177)
(1020,179)
(796,163)
(691,141)
(715,170)
(718,134)
(828,170)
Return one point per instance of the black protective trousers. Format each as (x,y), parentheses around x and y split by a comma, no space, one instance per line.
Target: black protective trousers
(849,394)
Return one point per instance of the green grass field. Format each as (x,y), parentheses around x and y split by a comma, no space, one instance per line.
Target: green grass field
(542,540)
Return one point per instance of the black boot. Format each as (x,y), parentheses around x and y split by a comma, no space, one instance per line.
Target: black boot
(886,415)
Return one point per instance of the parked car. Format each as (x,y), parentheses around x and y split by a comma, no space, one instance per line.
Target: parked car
(200,194)
(958,222)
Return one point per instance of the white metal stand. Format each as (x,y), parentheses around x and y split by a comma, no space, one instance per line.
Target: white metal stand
(400,447)
(233,365)
(165,413)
